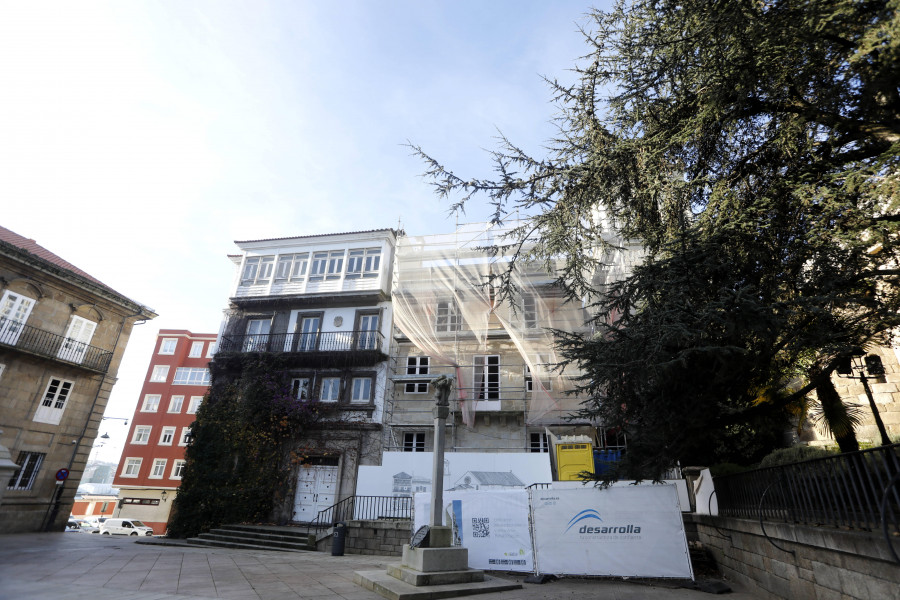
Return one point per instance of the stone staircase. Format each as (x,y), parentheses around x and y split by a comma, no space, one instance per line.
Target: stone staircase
(257,537)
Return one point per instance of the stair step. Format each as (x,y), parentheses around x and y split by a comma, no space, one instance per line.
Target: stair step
(260,535)
(240,539)
(235,545)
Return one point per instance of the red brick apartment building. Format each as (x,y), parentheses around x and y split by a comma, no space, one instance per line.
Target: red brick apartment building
(149,471)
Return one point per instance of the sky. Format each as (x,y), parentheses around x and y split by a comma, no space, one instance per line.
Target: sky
(139,139)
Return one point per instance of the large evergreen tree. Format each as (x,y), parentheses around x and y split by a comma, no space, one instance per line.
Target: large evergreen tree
(753,147)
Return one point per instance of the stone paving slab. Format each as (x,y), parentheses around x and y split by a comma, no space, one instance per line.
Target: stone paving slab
(80,566)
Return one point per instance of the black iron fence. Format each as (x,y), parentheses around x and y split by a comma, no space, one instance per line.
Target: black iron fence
(364,508)
(330,341)
(51,345)
(858,490)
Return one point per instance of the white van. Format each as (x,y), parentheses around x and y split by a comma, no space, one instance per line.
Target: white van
(125,527)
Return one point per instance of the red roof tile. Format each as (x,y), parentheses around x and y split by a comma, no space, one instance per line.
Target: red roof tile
(32,247)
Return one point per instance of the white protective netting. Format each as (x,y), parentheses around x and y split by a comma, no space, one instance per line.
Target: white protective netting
(441,303)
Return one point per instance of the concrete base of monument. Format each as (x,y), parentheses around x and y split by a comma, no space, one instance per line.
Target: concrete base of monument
(427,573)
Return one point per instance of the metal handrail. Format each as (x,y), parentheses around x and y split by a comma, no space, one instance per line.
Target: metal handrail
(364,508)
(844,490)
(20,336)
(325,341)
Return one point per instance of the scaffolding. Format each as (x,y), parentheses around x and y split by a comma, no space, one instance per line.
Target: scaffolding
(446,303)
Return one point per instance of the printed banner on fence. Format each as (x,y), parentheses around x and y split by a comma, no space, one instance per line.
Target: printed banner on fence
(491,524)
(630,531)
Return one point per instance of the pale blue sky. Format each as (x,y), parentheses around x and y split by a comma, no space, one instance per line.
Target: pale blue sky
(139,139)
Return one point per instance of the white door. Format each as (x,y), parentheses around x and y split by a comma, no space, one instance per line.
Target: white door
(14,311)
(309,333)
(77,339)
(316,487)
(368,326)
(257,335)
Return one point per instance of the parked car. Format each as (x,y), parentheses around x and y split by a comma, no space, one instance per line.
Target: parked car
(124,527)
(88,527)
(73,526)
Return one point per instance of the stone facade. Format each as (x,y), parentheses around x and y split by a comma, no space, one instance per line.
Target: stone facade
(808,563)
(886,393)
(384,538)
(62,336)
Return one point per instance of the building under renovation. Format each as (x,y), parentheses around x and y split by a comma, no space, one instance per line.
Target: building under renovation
(450,320)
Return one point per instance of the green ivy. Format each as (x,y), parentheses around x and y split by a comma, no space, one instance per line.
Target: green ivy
(239,462)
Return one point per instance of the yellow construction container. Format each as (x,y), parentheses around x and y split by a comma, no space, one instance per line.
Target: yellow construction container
(574,455)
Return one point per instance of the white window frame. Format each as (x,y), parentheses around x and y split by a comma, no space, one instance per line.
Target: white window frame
(331,385)
(538,442)
(132,467)
(194,404)
(191,376)
(177,467)
(167,437)
(141,435)
(417,365)
(2,367)
(176,403)
(196,350)
(363,262)
(414,441)
(335,264)
(486,377)
(362,390)
(160,374)
(16,312)
(318,266)
(448,318)
(29,467)
(151,403)
(257,269)
(159,468)
(292,267)
(211,349)
(168,345)
(55,399)
(301,391)
(185,438)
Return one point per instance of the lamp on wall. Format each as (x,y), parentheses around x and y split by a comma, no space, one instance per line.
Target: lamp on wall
(856,364)
(164,495)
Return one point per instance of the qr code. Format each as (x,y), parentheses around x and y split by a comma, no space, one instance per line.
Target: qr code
(481,527)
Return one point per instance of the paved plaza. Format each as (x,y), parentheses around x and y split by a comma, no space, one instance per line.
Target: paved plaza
(80,566)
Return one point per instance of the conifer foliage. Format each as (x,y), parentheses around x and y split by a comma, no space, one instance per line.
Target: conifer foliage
(752,146)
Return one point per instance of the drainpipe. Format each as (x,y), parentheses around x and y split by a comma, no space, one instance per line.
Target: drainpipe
(53,509)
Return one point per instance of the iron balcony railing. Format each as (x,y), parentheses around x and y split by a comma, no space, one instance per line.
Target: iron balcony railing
(331,341)
(364,508)
(50,345)
(859,490)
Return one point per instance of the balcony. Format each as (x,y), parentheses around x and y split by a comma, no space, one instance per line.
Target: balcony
(319,349)
(32,340)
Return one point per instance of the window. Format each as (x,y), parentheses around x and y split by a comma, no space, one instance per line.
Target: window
(54,403)
(546,383)
(331,389)
(319,266)
(175,404)
(14,311)
(291,267)
(167,346)
(257,335)
(159,468)
(76,341)
(300,387)
(363,263)
(194,404)
(160,373)
(29,465)
(486,378)
(2,366)
(414,442)
(362,390)
(538,443)
(368,331)
(308,339)
(448,317)
(104,507)
(257,269)
(529,311)
(168,434)
(191,376)
(132,467)
(335,264)
(185,436)
(196,350)
(417,365)
(211,350)
(141,434)
(177,469)
(144,501)
(151,403)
